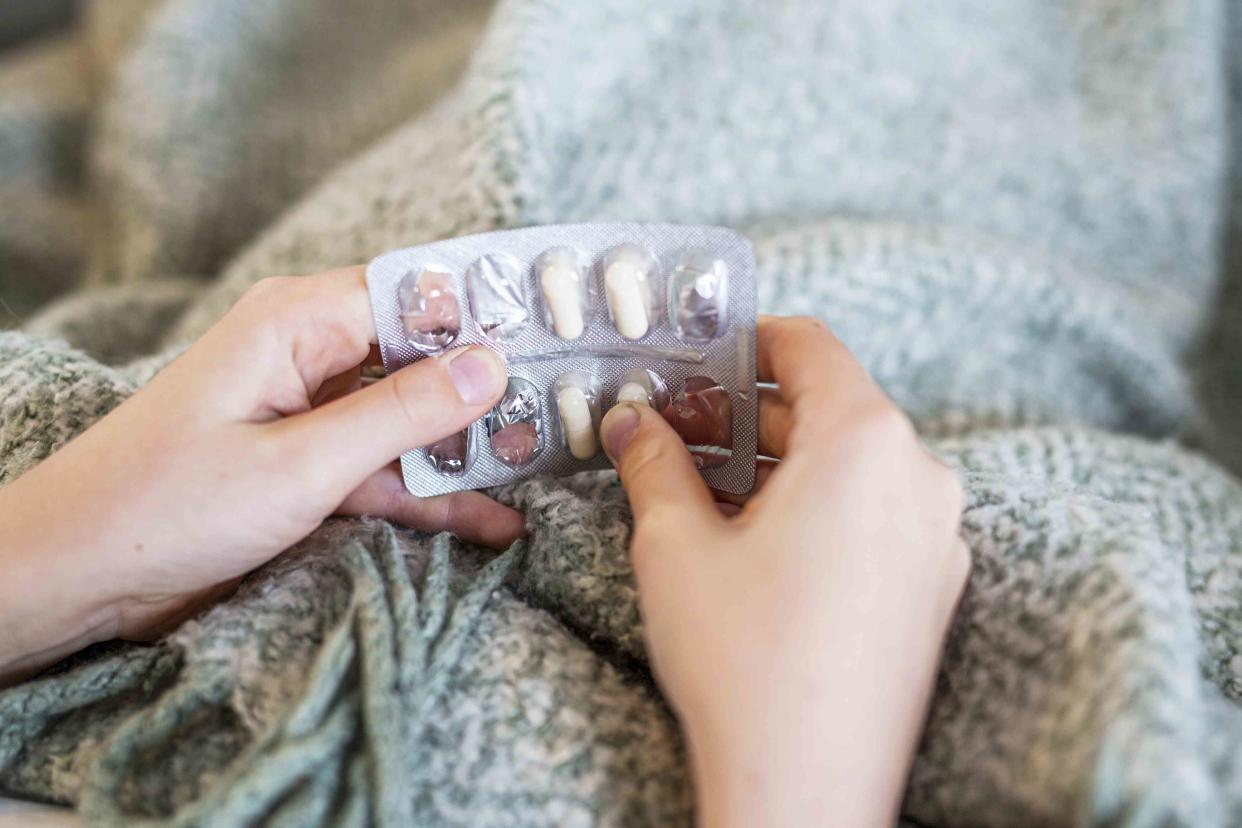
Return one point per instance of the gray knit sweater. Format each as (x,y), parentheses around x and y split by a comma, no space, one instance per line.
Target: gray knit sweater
(1022,216)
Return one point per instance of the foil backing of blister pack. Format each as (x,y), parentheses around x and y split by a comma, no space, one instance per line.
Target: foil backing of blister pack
(536,354)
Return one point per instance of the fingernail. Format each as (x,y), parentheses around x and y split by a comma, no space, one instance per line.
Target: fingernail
(478,374)
(618,429)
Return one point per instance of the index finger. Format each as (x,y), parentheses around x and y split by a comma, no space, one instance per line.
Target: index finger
(804,357)
(820,381)
(321,323)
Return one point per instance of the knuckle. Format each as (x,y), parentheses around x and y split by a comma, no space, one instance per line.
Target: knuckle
(881,426)
(809,324)
(811,332)
(434,515)
(266,290)
(871,429)
(795,331)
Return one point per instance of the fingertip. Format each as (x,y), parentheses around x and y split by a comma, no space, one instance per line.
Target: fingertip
(478,373)
(476,518)
(656,469)
(618,428)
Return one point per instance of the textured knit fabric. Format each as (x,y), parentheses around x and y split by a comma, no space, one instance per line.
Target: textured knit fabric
(1021,216)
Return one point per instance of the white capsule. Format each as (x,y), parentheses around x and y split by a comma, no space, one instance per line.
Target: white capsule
(576,422)
(633,392)
(626,286)
(561,293)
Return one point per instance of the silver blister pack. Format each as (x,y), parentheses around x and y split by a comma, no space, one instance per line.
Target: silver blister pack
(585,315)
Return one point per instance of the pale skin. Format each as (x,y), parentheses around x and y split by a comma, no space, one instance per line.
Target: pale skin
(795,632)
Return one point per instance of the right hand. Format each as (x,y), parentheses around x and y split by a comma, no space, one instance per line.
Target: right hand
(798,639)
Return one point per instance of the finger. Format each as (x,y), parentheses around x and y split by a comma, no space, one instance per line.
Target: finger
(763,470)
(775,420)
(656,469)
(333,388)
(472,516)
(318,325)
(330,324)
(806,360)
(342,443)
(322,321)
(821,383)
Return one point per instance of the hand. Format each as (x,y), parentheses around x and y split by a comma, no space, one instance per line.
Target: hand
(798,639)
(235,451)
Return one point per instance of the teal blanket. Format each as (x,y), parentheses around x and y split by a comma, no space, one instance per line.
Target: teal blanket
(1024,217)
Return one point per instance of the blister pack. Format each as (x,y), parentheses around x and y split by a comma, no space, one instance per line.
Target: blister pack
(585,315)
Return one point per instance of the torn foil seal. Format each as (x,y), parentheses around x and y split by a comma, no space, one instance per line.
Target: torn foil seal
(515,424)
(497,294)
(430,313)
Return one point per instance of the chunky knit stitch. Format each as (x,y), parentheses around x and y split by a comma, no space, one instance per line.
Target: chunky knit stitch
(1019,215)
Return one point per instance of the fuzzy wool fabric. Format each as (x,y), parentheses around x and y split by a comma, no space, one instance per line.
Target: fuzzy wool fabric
(1023,217)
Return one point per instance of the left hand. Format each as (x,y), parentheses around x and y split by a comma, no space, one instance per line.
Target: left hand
(237,450)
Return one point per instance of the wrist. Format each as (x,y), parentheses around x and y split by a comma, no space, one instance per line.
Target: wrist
(769,768)
(802,738)
(51,601)
(749,773)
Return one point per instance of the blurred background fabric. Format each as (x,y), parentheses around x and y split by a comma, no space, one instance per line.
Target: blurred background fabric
(1025,218)
(26,19)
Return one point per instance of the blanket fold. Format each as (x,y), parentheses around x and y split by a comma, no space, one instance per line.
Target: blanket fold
(1022,217)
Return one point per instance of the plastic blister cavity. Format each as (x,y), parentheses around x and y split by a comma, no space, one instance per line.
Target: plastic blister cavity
(698,295)
(644,386)
(567,290)
(454,454)
(576,397)
(586,316)
(430,313)
(497,292)
(702,415)
(631,285)
(515,424)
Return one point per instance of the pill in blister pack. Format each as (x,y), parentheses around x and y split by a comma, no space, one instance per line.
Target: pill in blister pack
(587,316)
(576,395)
(631,280)
(565,284)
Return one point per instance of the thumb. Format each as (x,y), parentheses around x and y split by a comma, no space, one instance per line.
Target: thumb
(655,467)
(351,437)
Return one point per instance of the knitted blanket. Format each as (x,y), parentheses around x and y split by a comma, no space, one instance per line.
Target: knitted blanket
(1022,216)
